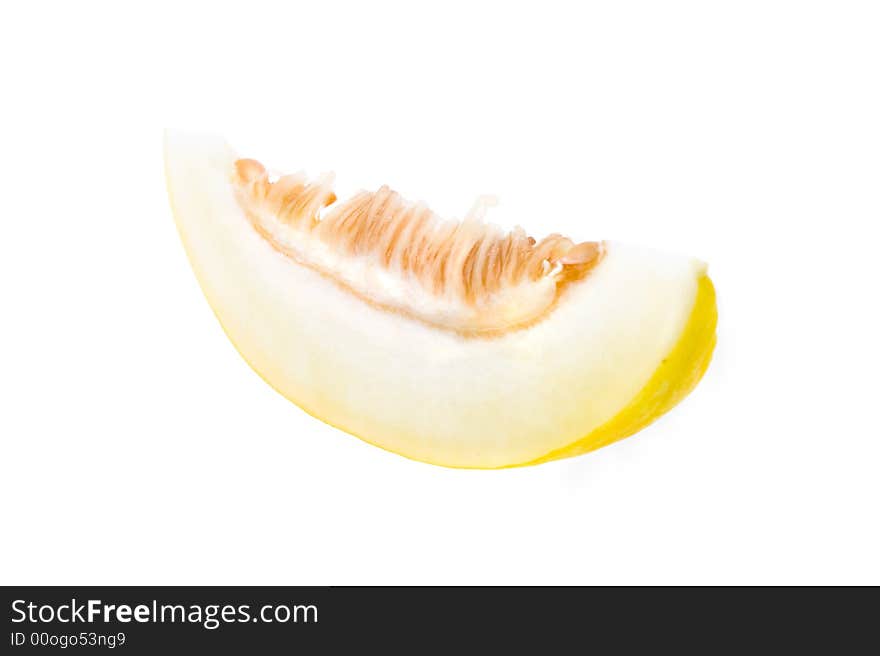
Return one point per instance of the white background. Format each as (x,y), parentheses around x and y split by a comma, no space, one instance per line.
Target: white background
(138,447)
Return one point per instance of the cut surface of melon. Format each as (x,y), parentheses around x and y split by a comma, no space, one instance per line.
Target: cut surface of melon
(453,343)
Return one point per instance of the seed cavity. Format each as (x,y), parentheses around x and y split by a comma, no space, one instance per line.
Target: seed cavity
(479,280)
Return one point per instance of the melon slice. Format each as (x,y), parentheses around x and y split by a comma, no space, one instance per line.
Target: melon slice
(453,343)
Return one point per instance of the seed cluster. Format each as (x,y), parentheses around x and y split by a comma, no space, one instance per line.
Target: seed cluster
(469,259)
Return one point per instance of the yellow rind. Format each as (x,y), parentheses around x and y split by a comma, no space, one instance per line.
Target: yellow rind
(676,376)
